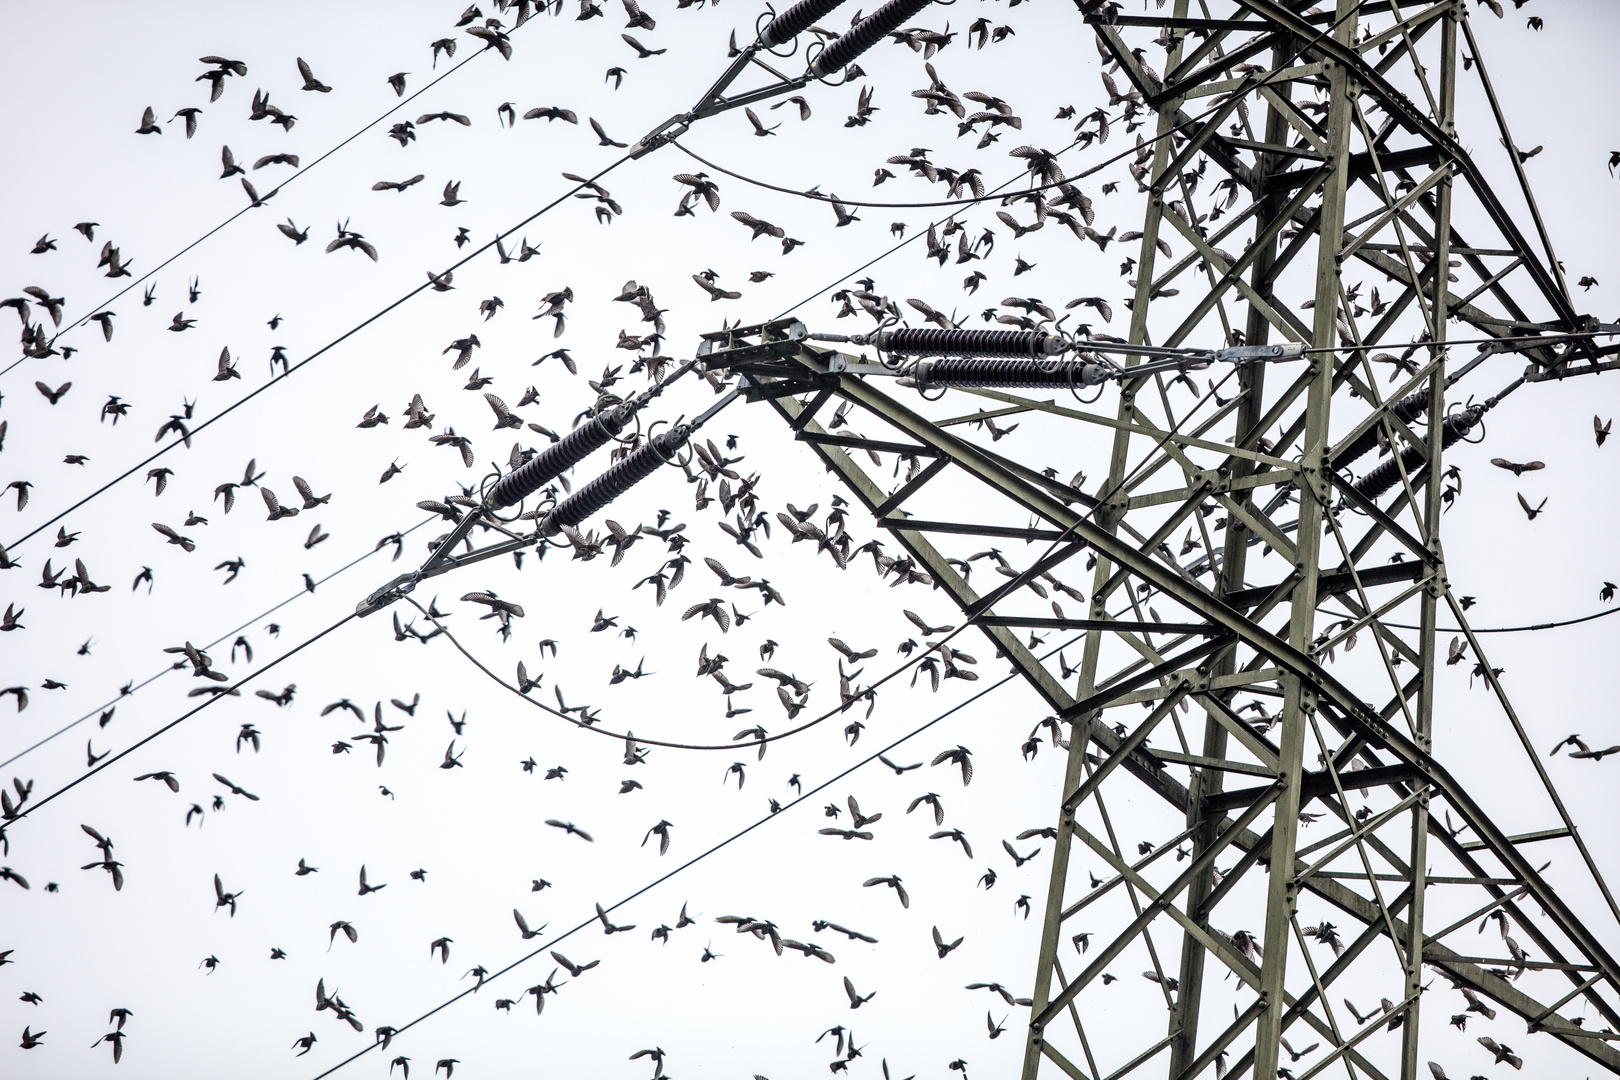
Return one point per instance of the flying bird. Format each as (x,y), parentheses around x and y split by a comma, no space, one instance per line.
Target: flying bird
(310,81)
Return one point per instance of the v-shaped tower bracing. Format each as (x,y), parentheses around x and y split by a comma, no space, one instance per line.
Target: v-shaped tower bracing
(1307,186)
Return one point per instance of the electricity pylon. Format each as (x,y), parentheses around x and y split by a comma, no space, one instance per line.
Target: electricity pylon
(1320,147)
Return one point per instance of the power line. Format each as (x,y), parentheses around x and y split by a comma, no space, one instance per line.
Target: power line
(635,151)
(985,603)
(1005,588)
(287,373)
(249,677)
(158,675)
(812,793)
(480,250)
(1168,133)
(816,196)
(367,127)
(935,647)
(1510,629)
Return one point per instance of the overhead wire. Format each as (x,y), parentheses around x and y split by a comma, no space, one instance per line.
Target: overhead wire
(1014,583)
(159,674)
(398,105)
(226,692)
(1509,629)
(734,837)
(627,736)
(288,372)
(984,604)
(723,843)
(1170,132)
(817,196)
(1004,589)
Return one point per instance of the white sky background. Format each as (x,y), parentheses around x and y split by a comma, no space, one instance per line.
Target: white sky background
(479,830)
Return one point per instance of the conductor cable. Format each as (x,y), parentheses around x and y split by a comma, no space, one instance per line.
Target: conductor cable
(158,675)
(688,864)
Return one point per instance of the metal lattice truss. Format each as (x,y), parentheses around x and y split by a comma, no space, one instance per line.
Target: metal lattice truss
(1215,708)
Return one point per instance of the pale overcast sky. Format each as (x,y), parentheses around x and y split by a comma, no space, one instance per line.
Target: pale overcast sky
(78,81)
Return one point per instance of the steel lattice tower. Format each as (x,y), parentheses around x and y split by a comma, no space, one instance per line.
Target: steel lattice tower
(1334,152)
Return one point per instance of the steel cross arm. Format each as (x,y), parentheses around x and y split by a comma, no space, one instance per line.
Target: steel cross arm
(1556,374)
(1069,1068)
(1232,276)
(1175,23)
(1111,625)
(1402,109)
(1329,975)
(1223,155)
(1508,901)
(1099,891)
(1355,1040)
(1211,45)
(1510,997)
(1196,598)
(1363,909)
(1374,728)
(912,538)
(1473,256)
(1359,833)
(1209,128)
(1423,765)
(1410,29)
(1385,736)
(1393,210)
(1513,156)
(1143,1058)
(1429,939)
(1394,268)
(1184,84)
(1142,428)
(1236,220)
(1130,745)
(1170,789)
(1218,1045)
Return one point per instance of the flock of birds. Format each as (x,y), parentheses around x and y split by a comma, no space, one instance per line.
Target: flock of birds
(717,485)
